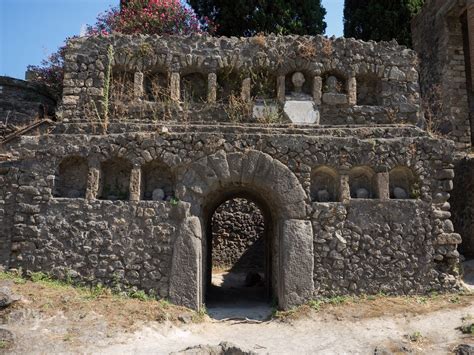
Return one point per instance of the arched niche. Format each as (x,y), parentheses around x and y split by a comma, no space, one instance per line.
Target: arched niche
(369,90)
(229,84)
(334,83)
(157,181)
(122,85)
(362,183)
(156,86)
(194,87)
(71,178)
(305,89)
(115,179)
(264,84)
(403,184)
(324,184)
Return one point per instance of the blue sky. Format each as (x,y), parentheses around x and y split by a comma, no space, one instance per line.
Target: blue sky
(32,29)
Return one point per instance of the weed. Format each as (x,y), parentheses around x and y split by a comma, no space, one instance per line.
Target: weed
(3,344)
(415,337)
(307,49)
(467,329)
(174,201)
(200,315)
(139,295)
(315,304)
(39,276)
(259,40)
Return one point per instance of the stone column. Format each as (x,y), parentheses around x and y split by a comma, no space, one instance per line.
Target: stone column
(135,183)
(317,89)
(246,93)
(352,90)
(297,263)
(211,88)
(382,182)
(138,89)
(93,182)
(344,189)
(281,88)
(175,87)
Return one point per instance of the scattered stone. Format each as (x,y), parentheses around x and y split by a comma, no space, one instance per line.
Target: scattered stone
(464,349)
(7,297)
(224,348)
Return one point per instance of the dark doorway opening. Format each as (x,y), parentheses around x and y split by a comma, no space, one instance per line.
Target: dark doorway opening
(238,251)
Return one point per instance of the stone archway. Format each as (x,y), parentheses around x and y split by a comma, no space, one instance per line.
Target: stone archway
(214,176)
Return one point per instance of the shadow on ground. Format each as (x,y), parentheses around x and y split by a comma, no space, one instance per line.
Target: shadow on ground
(229,298)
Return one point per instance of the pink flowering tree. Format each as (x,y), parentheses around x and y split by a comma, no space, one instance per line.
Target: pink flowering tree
(162,17)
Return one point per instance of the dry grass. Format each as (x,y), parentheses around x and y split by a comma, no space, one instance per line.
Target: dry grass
(365,307)
(49,298)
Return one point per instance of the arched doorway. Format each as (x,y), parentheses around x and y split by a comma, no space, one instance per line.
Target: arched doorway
(204,185)
(238,249)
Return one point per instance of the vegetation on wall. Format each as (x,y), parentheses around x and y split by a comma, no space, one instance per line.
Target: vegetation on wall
(380,20)
(247,17)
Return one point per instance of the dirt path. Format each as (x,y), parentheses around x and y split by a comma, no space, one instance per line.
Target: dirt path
(433,333)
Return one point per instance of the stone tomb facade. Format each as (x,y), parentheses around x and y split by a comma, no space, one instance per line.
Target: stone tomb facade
(355,203)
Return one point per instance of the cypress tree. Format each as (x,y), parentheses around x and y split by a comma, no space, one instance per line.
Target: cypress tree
(380,20)
(249,17)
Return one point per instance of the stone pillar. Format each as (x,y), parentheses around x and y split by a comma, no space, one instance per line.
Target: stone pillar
(297,263)
(211,88)
(344,189)
(317,89)
(175,87)
(382,182)
(93,182)
(186,265)
(135,183)
(281,88)
(352,90)
(246,93)
(138,88)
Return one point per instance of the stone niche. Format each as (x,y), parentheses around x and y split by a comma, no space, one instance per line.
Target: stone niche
(369,90)
(122,85)
(403,184)
(362,183)
(299,104)
(229,84)
(115,179)
(194,88)
(324,184)
(334,89)
(71,178)
(156,86)
(157,182)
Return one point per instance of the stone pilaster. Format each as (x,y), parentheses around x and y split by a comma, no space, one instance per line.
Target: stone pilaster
(352,90)
(281,88)
(135,182)
(211,87)
(246,90)
(175,87)
(138,89)
(344,189)
(93,182)
(382,183)
(317,89)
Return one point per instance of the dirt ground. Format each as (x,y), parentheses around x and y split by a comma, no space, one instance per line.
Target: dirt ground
(53,319)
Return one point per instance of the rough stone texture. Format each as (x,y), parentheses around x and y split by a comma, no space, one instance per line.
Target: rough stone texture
(238,236)
(444,37)
(20,103)
(317,249)
(297,264)
(440,40)
(199,56)
(462,204)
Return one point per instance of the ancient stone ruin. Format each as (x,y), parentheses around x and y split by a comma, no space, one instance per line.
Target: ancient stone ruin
(154,134)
